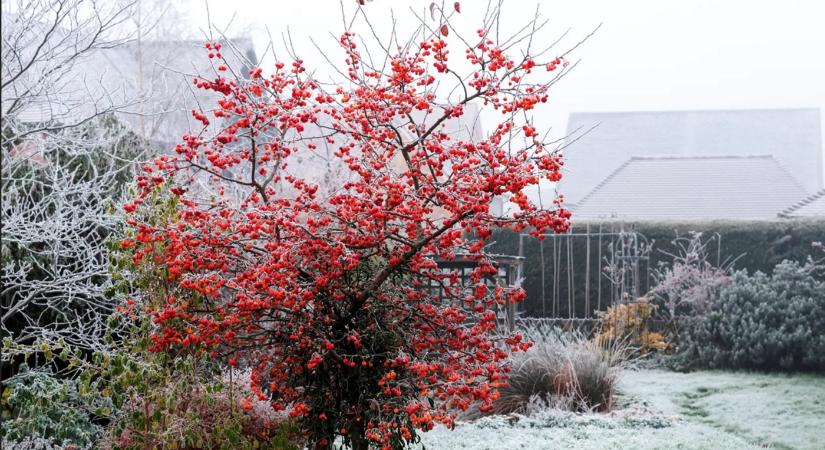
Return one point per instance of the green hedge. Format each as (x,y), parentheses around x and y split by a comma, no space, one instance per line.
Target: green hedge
(759,246)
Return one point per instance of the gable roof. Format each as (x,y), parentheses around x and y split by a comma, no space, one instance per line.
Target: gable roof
(692,188)
(810,206)
(791,136)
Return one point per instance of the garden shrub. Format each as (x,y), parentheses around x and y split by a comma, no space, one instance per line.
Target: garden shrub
(764,322)
(563,370)
(687,282)
(190,412)
(319,282)
(45,411)
(57,214)
(629,322)
(180,401)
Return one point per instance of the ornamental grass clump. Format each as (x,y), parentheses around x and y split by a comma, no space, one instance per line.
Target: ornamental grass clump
(563,370)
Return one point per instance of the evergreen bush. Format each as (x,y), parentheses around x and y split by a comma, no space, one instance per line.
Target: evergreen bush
(762,322)
(37,405)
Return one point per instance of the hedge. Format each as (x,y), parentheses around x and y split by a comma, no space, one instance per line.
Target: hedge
(755,245)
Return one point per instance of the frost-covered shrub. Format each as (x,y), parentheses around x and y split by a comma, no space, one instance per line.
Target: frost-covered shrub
(688,283)
(43,411)
(562,370)
(36,443)
(192,410)
(59,208)
(765,322)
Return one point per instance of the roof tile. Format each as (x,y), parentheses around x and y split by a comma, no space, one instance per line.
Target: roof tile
(810,206)
(792,136)
(692,188)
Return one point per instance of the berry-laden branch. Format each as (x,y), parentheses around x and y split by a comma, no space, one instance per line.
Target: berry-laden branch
(314,271)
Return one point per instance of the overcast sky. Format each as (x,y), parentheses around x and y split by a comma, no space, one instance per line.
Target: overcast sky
(648,55)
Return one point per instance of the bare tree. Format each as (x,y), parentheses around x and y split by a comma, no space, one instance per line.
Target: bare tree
(65,159)
(44,45)
(86,84)
(160,36)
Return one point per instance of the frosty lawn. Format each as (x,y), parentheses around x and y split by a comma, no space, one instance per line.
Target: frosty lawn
(663,410)
(782,411)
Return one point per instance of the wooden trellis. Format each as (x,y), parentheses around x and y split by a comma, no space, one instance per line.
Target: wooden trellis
(615,269)
(509,273)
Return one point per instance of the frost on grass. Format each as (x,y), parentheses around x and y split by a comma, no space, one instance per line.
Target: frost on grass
(774,410)
(664,410)
(633,428)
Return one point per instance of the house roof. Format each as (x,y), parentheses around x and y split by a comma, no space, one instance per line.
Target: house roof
(692,188)
(810,206)
(792,136)
(152,78)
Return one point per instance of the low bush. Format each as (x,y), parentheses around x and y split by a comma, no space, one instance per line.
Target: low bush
(762,322)
(629,322)
(41,410)
(188,413)
(563,370)
(687,282)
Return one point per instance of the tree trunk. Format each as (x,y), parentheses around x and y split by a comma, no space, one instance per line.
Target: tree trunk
(358,436)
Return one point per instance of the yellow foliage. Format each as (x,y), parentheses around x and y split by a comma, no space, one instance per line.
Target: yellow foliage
(629,321)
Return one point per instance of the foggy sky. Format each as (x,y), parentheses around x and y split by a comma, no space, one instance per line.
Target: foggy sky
(648,55)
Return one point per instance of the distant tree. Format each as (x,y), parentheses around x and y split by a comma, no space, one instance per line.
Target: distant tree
(322,293)
(44,42)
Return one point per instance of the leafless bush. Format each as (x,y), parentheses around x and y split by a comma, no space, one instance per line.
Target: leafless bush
(59,207)
(65,160)
(688,283)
